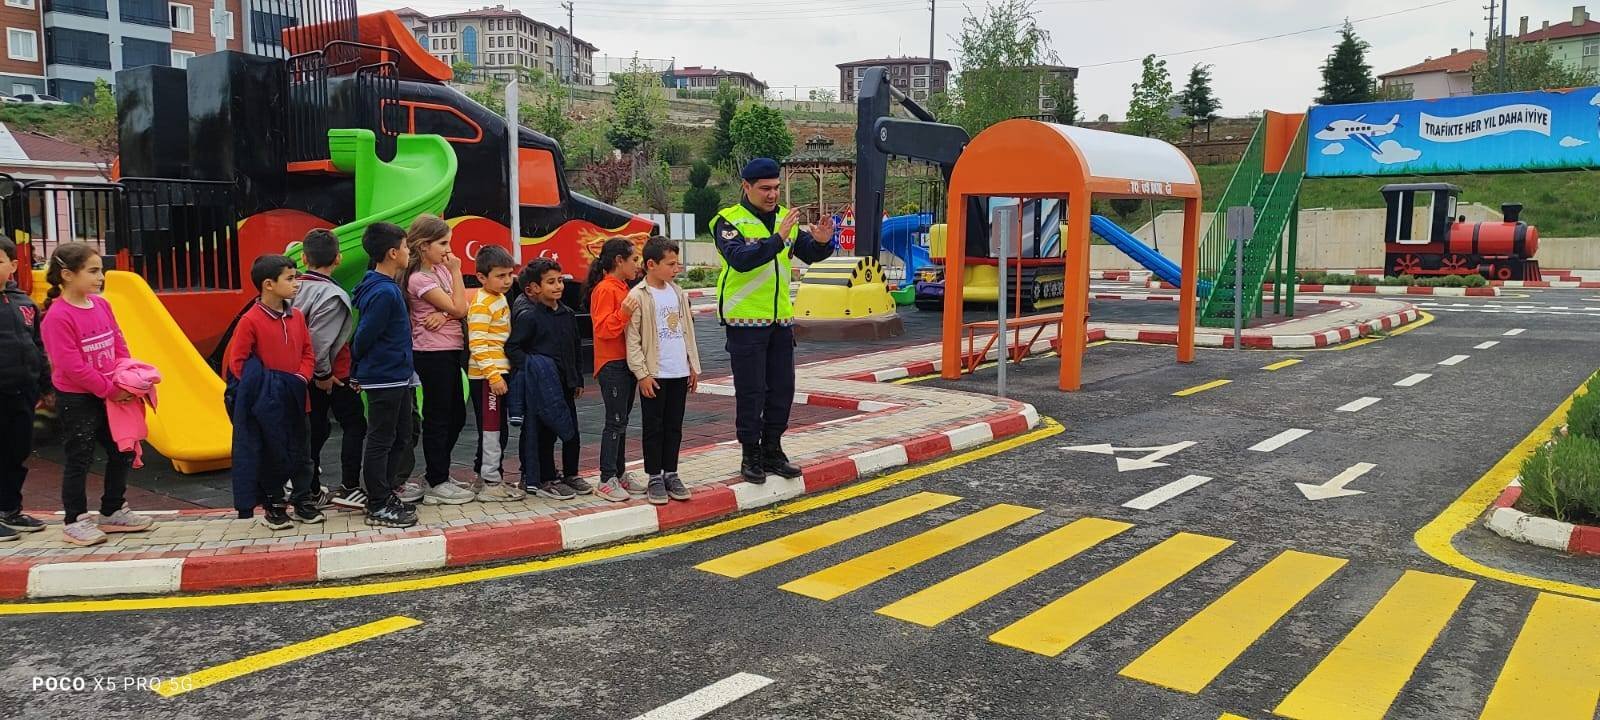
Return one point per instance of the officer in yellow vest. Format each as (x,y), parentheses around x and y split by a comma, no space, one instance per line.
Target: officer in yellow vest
(757,239)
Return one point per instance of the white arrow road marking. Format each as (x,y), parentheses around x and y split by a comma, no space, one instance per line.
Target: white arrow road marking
(1140,463)
(1280,440)
(708,699)
(1357,405)
(1486,345)
(1166,492)
(1336,487)
(1454,359)
(1413,380)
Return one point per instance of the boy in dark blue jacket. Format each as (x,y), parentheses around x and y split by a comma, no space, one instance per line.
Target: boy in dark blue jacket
(381,367)
(21,382)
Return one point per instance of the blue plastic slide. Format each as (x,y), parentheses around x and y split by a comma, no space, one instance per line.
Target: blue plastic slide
(1155,262)
(899,236)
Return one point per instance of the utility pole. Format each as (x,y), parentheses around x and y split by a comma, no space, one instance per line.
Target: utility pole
(1488,44)
(1504,12)
(931,4)
(572,45)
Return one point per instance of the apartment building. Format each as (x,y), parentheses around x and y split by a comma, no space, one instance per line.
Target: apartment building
(501,41)
(61,47)
(696,78)
(907,74)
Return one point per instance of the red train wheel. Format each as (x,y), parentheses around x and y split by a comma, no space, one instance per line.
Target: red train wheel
(1456,264)
(1407,265)
(1503,272)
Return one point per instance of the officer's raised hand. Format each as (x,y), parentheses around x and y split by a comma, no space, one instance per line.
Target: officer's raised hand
(822,232)
(787,225)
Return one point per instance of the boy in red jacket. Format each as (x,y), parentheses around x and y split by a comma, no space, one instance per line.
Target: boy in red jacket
(275,334)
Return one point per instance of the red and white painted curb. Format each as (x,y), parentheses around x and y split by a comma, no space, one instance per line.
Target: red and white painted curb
(1120,275)
(1544,284)
(1371,290)
(395,550)
(1507,521)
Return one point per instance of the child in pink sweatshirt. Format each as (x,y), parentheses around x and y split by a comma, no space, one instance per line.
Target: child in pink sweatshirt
(84,343)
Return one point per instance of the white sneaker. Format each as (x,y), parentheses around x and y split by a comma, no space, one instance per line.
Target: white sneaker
(412,491)
(83,532)
(635,482)
(501,492)
(124,521)
(611,490)
(448,492)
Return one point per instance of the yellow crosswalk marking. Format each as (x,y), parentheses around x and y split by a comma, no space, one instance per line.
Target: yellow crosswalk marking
(1194,654)
(1062,623)
(1551,671)
(1360,678)
(286,654)
(958,594)
(833,532)
(1186,392)
(862,571)
(1281,364)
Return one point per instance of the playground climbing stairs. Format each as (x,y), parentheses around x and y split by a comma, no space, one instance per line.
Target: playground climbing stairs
(1268,181)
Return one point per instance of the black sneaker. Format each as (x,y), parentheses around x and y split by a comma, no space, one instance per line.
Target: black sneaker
(554,490)
(20,523)
(774,461)
(657,492)
(578,485)
(396,514)
(675,488)
(324,498)
(307,513)
(274,517)
(350,498)
(7,534)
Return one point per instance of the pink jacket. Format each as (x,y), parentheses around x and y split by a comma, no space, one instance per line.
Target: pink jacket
(127,421)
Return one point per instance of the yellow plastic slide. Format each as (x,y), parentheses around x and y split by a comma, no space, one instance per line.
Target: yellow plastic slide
(189,425)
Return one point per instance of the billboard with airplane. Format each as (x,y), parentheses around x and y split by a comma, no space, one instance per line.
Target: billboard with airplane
(1479,133)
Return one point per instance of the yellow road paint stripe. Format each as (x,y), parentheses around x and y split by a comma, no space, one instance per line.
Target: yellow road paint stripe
(1550,673)
(1061,624)
(1048,427)
(1201,388)
(862,571)
(1231,716)
(1425,319)
(1200,649)
(1360,678)
(287,654)
(770,553)
(1281,364)
(1436,538)
(954,596)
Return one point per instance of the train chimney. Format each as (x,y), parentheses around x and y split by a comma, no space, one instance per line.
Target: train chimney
(1511,211)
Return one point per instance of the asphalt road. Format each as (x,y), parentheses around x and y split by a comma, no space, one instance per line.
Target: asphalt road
(619,638)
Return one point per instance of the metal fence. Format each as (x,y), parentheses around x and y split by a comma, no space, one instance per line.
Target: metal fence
(182,234)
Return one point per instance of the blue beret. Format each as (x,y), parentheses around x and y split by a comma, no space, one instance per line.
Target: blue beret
(760,169)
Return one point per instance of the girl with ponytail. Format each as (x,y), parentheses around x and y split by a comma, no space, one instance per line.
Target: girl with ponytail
(437,298)
(609,278)
(84,343)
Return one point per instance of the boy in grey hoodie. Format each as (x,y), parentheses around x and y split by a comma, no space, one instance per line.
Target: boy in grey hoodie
(327,310)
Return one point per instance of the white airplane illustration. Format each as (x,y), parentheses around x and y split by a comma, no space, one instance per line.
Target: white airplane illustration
(1358,130)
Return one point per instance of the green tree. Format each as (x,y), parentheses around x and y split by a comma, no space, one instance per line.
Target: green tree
(1199,105)
(98,129)
(547,112)
(1529,66)
(586,143)
(463,71)
(823,95)
(655,186)
(638,107)
(760,131)
(1002,54)
(492,96)
(1150,109)
(1346,76)
(721,150)
(1124,207)
(1065,95)
(700,201)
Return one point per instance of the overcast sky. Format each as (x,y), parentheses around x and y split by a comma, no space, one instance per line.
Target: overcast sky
(793,46)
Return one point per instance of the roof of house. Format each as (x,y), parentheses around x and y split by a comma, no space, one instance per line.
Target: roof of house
(1455,63)
(1562,31)
(697,71)
(408,12)
(24,145)
(895,61)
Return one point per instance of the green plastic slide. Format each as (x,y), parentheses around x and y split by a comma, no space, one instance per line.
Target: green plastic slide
(419,180)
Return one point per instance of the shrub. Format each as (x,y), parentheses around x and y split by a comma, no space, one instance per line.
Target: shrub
(1473,281)
(703,203)
(674,150)
(1363,280)
(1397,281)
(1562,479)
(1312,277)
(699,174)
(1583,418)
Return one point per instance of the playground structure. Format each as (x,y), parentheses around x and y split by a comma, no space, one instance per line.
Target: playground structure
(240,155)
(1075,166)
(1447,245)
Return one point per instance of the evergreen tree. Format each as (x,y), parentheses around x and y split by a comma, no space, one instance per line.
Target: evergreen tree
(1150,109)
(1199,105)
(1065,94)
(760,131)
(699,200)
(638,107)
(721,150)
(1346,76)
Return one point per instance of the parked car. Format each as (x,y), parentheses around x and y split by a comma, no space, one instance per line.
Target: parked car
(4,98)
(41,99)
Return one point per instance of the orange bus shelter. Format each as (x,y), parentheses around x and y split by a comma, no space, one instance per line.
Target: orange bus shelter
(1031,159)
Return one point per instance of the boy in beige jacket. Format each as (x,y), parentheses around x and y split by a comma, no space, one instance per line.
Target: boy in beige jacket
(662,355)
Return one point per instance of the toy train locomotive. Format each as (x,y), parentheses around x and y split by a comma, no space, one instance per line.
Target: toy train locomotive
(1447,244)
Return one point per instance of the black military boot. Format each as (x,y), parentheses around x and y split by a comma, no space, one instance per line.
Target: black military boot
(774,461)
(750,465)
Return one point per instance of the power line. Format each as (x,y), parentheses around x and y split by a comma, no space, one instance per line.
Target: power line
(1276,36)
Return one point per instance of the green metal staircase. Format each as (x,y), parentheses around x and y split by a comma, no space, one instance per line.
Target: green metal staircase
(1275,197)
